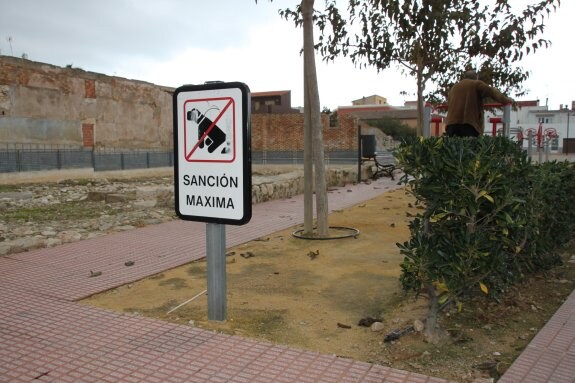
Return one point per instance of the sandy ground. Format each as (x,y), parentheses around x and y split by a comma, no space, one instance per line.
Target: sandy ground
(312,294)
(283,287)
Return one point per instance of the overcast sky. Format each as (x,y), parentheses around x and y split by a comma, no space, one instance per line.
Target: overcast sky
(176,42)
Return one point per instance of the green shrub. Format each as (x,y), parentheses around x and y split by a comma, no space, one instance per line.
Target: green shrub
(490,217)
(393,128)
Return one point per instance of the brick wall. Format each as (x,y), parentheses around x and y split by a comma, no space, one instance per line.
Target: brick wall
(284,132)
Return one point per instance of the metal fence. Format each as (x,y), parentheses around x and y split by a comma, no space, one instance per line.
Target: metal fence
(296,157)
(37,158)
(23,158)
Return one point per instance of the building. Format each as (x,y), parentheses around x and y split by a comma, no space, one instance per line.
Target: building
(276,102)
(371,100)
(406,114)
(557,125)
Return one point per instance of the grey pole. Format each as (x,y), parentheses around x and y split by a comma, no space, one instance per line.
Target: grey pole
(359,154)
(566,149)
(216,255)
(506,120)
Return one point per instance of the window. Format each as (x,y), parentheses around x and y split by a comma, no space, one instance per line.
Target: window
(554,144)
(545,120)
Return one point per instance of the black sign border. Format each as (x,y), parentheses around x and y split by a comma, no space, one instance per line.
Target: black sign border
(246,149)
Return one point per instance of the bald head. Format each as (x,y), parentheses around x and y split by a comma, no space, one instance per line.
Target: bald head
(471,74)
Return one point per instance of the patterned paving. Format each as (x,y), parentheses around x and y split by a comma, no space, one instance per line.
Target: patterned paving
(46,337)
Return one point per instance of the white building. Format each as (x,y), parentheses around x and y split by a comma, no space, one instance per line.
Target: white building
(530,115)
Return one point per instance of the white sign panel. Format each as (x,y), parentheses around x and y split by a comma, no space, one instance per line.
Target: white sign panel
(212,153)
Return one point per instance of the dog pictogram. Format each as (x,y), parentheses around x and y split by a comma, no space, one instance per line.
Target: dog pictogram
(210,128)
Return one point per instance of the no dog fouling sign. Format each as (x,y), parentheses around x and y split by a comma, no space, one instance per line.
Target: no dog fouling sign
(212,165)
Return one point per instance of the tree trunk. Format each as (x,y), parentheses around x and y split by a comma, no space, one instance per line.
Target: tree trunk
(420,103)
(307,159)
(315,118)
(432,333)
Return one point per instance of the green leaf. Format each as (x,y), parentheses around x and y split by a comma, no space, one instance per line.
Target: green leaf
(483,193)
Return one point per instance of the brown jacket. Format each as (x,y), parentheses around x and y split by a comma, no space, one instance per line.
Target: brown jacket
(465,102)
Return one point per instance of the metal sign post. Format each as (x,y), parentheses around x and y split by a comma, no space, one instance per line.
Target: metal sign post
(217,284)
(212,170)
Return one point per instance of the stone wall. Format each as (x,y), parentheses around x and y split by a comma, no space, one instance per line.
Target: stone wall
(286,185)
(46,104)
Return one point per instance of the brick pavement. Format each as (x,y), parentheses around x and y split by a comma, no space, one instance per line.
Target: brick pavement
(45,336)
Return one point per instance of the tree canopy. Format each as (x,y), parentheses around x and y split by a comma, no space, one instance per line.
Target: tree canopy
(434,41)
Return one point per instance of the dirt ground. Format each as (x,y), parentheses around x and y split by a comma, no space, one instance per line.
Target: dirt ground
(312,294)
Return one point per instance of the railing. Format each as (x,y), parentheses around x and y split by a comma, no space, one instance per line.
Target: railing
(30,157)
(296,157)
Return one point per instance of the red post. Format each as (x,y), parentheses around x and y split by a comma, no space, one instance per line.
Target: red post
(437,121)
(494,121)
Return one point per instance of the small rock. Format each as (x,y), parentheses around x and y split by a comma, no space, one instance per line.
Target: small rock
(377,327)
(53,242)
(418,325)
(69,236)
(116,197)
(146,204)
(192,323)
(496,353)
(367,321)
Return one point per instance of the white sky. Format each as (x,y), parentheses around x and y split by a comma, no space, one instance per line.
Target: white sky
(176,42)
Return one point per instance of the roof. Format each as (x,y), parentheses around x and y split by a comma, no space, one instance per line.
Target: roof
(363,108)
(364,97)
(270,93)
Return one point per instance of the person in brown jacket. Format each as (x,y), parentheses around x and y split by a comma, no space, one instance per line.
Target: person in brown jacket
(465,105)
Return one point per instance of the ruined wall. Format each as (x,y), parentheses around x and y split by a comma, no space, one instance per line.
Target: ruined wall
(45,104)
(284,132)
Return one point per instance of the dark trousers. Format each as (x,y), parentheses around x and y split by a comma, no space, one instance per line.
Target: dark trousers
(461,130)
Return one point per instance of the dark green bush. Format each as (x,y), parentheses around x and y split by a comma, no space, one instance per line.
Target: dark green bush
(490,217)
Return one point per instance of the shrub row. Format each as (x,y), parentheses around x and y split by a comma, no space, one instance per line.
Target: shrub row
(490,216)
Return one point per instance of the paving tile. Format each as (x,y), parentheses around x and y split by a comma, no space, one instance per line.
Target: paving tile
(45,336)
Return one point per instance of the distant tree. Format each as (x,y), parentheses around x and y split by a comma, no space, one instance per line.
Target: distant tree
(393,127)
(435,41)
